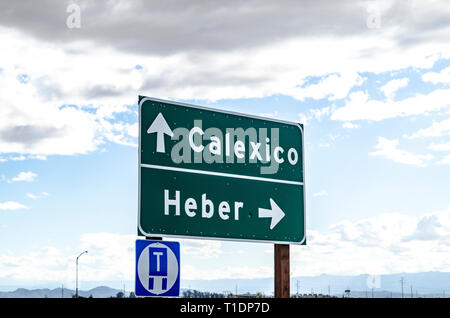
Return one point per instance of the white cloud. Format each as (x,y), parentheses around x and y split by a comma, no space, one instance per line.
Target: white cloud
(389,149)
(391,87)
(349,125)
(57,116)
(22,158)
(384,244)
(273,114)
(442,77)
(304,118)
(133,130)
(314,113)
(318,113)
(24,176)
(435,226)
(445,146)
(321,193)
(331,86)
(333,137)
(17,158)
(110,256)
(437,129)
(360,107)
(49,265)
(37,196)
(445,160)
(11,206)
(42,122)
(37,157)
(202,248)
(28,157)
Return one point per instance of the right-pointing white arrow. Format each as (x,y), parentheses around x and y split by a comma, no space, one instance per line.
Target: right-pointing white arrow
(160,127)
(274,212)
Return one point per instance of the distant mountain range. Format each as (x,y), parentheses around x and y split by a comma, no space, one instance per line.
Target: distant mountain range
(97,292)
(425,284)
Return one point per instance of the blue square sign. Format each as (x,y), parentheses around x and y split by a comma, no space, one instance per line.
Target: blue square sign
(157,268)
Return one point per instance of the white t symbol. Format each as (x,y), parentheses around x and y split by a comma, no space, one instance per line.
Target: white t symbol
(158,254)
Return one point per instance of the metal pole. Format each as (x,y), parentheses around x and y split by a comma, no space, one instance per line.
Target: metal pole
(153,238)
(282,271)
(401,282)
(76,289)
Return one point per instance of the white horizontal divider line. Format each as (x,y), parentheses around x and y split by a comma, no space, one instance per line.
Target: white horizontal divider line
(220,174)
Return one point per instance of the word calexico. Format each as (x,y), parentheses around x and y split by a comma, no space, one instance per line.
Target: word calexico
(213,146)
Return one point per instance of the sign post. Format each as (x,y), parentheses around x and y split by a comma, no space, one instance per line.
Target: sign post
(282,271)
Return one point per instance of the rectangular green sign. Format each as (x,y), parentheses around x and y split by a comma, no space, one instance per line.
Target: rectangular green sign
(206,173)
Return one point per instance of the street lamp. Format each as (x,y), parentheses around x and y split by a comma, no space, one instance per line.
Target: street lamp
(76,291)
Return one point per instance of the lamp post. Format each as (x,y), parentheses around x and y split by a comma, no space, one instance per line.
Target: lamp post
(76,291)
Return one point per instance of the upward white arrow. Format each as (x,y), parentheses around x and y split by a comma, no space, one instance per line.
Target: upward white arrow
(274,212)
(160,127)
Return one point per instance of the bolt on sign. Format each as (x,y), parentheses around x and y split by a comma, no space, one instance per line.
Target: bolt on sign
(208,173)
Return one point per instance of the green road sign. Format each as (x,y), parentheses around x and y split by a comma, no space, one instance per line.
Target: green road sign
(206,173)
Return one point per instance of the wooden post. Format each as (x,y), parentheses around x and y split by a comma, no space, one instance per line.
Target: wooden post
(282,271)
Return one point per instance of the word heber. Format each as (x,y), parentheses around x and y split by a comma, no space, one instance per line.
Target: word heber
(207,208)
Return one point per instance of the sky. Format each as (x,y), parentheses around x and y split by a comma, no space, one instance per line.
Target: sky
(370,81)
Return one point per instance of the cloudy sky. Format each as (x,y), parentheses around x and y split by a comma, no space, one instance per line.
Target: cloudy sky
(369,79)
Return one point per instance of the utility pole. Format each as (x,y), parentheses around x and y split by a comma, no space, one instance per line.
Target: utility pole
(62,291)
(372,292)
(401,282)
(297,287)
(411,292)
(329,291)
